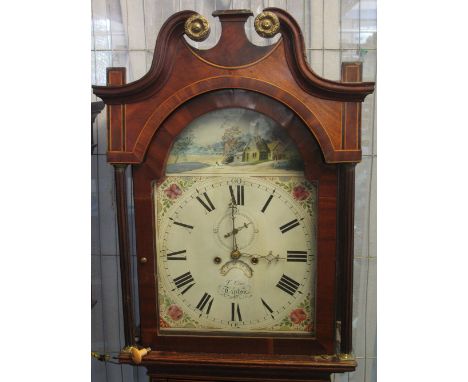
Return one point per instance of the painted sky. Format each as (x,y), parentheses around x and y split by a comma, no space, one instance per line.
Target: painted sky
(209,128)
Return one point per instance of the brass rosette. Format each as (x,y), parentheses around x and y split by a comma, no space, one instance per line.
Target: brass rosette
(267,24)
(197,28)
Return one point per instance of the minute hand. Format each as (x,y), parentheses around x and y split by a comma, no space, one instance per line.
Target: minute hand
(233,208)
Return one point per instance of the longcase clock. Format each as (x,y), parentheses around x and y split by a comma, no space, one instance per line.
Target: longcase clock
(243,184)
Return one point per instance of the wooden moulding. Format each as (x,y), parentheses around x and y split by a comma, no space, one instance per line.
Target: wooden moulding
(116,113)
(242,367)
(345,255)
(180,72)
(124,254)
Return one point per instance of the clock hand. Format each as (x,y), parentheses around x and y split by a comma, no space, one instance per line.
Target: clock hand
(233,208)
(270,257)
(236,230)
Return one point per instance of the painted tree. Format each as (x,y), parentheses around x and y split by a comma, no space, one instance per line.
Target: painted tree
(232,140)
(181,146)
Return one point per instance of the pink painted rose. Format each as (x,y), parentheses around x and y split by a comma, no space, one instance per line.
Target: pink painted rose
(173,192)
(297,315)
(175,312)
(300,193)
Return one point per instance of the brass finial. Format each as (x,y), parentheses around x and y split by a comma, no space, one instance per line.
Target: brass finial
(197,28)
(267,24)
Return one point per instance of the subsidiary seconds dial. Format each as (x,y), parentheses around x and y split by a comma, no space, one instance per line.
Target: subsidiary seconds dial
(236,254)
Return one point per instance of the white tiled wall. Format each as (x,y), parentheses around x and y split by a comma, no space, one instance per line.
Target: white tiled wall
(124,34)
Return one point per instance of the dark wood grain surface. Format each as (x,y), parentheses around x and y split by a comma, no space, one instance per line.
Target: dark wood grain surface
(242,367)
(124,254)
(322,117)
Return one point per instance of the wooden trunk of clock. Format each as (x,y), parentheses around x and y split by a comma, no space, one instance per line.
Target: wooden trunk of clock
(322,120)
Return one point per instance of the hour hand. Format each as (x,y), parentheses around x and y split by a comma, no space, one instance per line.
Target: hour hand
(236,230)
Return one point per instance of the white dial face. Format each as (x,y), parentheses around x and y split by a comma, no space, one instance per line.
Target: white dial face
(236,254)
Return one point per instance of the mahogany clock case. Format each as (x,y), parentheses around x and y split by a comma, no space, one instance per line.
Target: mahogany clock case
(322,117)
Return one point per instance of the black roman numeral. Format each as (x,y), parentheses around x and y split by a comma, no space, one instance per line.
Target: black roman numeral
(184,225)
(267,203)
(183,280)
(173,255)
(203,301)
(288,226)
(239,200)
(288,285)
(208,205)
(235,309)
(297,256)
(267,307)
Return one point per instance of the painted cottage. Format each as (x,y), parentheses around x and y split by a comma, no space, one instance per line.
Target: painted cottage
(279,150)
(255,150)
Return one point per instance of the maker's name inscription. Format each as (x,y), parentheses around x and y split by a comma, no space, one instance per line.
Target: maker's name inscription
(235,289)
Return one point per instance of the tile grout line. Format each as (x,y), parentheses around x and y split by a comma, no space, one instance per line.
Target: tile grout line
(368,266)
(359,34)
(250,29)
(341,36)
(340,62)
(100,264)
(323,37)
(110,31)
(339,65)
(374,103)
(94,38)
(144,31)
(127,31)
(368,214)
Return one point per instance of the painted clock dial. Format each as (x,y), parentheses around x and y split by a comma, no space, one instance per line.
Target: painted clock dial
(236,229)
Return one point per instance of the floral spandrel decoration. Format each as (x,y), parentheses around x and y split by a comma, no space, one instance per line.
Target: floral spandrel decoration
(174,312)
(303,192)
(170,190)
(172,315)
(299,192)
(173,191)
(297,316)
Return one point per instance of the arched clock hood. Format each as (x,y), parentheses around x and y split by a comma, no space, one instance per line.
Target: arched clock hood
(331,110)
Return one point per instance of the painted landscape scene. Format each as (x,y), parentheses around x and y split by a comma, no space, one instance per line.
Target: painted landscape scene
(234,141)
